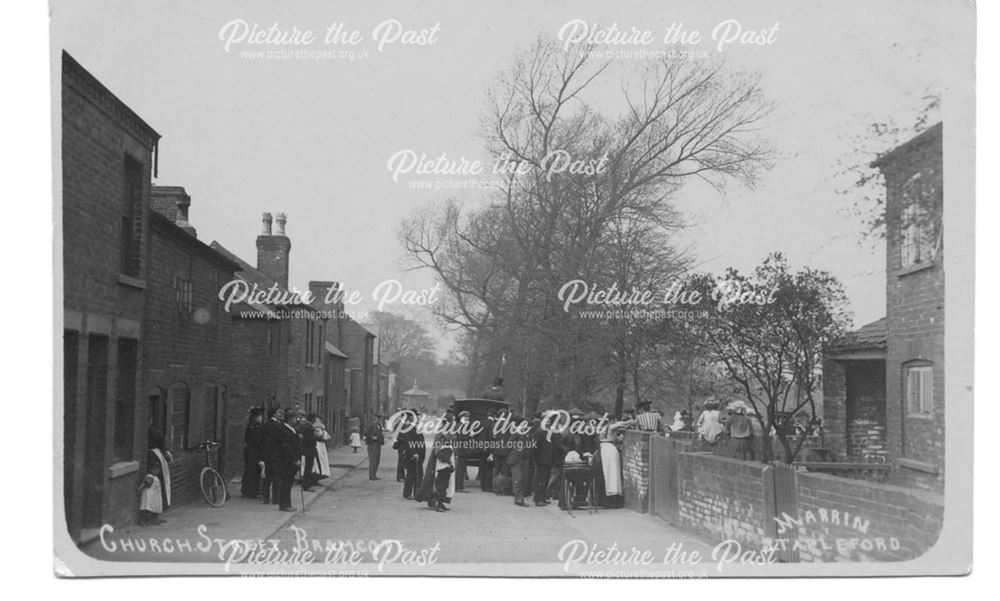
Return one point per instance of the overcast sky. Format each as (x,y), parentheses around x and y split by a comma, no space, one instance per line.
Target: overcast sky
(311,138)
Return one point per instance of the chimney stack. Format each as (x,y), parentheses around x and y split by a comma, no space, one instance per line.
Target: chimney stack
(272,251)
(319,292)
(173,203)
(183,204)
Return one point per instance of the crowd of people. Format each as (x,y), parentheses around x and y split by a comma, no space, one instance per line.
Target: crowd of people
(734,429)
(515,456)
(290,442)
(518,457)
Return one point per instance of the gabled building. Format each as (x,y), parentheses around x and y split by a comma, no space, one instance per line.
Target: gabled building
(910,428)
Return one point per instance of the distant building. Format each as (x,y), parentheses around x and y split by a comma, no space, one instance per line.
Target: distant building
(359,345)
(107,164)
(898,411)
(336,407)
(415,398)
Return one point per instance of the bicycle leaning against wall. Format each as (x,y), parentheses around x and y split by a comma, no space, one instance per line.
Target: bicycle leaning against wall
(213,485)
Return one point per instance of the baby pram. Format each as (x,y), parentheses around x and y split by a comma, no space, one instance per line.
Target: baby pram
(578,487)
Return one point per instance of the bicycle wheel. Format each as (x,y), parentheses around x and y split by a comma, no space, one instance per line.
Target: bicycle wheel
(213,487)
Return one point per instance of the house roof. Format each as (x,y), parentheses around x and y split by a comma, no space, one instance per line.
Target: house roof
(336,352)
(869,336)
(416,391)
(168,227)
(76,76)
(927,135)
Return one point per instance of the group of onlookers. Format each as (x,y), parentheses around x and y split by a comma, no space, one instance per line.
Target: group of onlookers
(289,442)
(712,427)
(523,461)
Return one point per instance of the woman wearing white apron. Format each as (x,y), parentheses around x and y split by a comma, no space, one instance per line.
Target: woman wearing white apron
(322,467)
(158,454)
(610,492)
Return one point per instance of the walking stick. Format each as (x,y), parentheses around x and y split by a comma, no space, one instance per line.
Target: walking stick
(302,495)
(260,487)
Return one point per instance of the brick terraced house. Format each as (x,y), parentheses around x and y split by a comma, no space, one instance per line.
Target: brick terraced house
(278,349)
(884,384)
(148,342)
(187,352)
(107,162)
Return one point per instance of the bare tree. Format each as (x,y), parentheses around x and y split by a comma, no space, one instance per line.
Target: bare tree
(503,264)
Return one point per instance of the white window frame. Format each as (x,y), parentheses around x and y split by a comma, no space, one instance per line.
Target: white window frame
(919,388)
(916,245)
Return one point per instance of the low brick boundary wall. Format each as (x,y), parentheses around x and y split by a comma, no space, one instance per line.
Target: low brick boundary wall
(863,521)
(807,516)
(721,498)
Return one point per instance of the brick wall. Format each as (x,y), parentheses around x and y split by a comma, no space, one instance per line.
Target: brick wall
(179,351)
(721,498)
(635,470)
(835,407)
(865,521)
(816,517)
(98,132)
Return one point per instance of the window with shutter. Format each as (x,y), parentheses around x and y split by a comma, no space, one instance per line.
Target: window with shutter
(195,421)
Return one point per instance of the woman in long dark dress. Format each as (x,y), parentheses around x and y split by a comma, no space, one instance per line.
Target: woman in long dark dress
(431,491)
(252,454)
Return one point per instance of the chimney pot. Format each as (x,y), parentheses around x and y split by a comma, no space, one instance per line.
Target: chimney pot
(280,220)
(267,224)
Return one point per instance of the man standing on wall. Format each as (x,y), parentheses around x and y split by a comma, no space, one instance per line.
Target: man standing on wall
(646,419)
(374,439)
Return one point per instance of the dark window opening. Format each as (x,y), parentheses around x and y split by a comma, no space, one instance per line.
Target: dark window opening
(128,364)
(131,219)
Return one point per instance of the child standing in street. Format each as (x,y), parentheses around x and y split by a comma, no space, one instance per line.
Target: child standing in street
(355,439)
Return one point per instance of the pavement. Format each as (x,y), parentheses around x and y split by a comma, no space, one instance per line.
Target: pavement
(357,526)
(239,518)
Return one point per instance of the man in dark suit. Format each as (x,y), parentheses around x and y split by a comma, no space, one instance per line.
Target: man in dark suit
(544,455)
(374,439)
(289,458)
(519,457)
(307,437)
(270,432)
(463,450)
(411,446)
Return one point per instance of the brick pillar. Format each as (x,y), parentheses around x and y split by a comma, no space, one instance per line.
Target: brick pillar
(635,470)
(835,407)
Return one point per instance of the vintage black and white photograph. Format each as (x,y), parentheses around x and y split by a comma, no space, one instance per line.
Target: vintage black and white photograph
(642,289)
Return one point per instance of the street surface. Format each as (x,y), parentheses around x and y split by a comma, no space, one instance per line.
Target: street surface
(355,513)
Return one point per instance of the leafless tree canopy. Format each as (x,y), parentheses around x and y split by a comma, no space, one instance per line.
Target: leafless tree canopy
(503,262)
